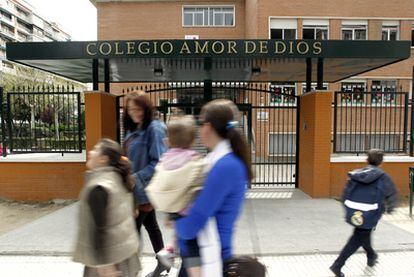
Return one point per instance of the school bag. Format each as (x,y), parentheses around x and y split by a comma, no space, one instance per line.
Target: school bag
(243,266)
(363,203)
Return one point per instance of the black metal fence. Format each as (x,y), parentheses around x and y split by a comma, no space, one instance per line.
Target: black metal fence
(42,120)
(365,120)
(269,119)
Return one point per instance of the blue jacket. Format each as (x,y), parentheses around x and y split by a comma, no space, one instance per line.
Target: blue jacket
(144,149)
(370,175)
(221,197)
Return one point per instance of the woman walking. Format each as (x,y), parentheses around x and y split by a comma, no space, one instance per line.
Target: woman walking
(144,145)
(223,192)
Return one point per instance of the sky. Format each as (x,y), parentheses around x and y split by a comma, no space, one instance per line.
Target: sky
(77,17)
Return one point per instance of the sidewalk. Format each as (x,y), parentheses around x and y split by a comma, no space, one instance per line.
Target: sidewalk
(293,234)
(390,265)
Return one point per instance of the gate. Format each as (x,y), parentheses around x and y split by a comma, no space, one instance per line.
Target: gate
(35,121)
(268,118)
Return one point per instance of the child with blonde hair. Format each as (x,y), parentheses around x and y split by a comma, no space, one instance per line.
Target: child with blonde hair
(178,177)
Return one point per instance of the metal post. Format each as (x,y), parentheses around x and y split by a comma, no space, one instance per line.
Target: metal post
(107,76)
(308,74)
(208,90)
(319,85)
(335,120)
(78,98)
(411,184)
(95,74)
(3,127)
(297,142)
(412,118)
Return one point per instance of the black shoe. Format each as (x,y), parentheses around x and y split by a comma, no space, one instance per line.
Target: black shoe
(373,261)
(337,271)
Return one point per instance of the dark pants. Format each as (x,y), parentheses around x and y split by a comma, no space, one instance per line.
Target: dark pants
(149,220)
(361,237)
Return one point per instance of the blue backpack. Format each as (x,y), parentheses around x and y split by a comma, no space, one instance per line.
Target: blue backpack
(363,203)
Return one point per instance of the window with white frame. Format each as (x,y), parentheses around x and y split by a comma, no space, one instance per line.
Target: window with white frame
(315,29)
(325,86)
(355,92)
(283,28)
(390,30)
(364,142)
(282,93)
(199,16)
(383,91)
(354,29)
(282,144)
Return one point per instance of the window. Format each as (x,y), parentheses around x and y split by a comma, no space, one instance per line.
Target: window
(283,28)
(313,87)
(208,16)
(282,93)
(390,30)
(354,29)
(282,144)
(364,142)
(383,92)
(356,92)
(315,29)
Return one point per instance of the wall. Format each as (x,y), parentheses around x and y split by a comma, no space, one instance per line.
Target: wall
(41,181)
(397,170)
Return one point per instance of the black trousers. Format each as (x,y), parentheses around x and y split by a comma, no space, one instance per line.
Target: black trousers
(149,220)
(360,237)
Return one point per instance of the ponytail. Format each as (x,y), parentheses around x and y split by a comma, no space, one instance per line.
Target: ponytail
(124,169)
(240,149)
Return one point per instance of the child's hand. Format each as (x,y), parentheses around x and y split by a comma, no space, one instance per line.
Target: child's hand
(136,212)
(168,223)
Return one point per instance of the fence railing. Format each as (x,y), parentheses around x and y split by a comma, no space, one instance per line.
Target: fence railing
(366,120)
(43,122)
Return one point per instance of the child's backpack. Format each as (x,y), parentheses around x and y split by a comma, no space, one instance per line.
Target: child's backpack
(363,203)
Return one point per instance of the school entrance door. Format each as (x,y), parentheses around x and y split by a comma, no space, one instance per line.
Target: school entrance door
(268,120)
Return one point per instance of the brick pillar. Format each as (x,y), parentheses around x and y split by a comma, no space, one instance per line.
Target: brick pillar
(315,143)
(100,117)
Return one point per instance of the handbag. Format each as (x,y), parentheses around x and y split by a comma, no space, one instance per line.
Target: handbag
(243,266)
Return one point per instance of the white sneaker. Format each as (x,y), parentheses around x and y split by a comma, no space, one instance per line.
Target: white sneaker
(166,257)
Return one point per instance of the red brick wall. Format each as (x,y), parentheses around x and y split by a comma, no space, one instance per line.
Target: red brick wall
(41,181)
(397,171)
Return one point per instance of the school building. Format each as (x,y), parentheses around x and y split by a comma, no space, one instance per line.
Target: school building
(317,83)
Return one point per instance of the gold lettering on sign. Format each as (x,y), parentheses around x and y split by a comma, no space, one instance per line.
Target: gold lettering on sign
(214,48)
(108,48)
(117,52)
(263,47)
(298,47)
(199,49)
(232,47)
(88,49)
(317,48)
(185,48)
(279,50)
(155,47)
(169,45)
(249,47)
(290,47)
(130,47)
(144,51)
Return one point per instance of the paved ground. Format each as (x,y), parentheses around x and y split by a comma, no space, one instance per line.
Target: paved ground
(390,265)
(293,234)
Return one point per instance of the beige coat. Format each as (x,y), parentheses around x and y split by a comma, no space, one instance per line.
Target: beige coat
(171,191)
(121,238)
